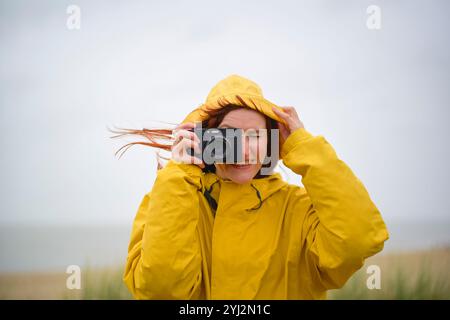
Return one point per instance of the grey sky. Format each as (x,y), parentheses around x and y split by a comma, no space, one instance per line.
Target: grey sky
(380,98)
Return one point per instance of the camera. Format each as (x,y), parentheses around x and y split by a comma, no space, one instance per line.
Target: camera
(218,145)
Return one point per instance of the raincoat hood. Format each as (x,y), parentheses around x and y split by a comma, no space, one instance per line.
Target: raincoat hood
(237,90)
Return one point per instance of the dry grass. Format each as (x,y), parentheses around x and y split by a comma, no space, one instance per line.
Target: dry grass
(416,275)
(413,275)
(49,285)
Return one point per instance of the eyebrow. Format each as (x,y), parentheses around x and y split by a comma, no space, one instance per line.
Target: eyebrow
(229,126)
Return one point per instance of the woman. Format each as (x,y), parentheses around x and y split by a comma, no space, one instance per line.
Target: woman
(234,233)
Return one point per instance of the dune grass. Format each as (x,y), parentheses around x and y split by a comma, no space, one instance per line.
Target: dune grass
(396,286)
(101,284)
(410,275)
(417,275)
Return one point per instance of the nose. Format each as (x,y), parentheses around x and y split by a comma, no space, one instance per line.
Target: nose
(245,149)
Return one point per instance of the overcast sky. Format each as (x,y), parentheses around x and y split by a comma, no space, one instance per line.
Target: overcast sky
(380,97)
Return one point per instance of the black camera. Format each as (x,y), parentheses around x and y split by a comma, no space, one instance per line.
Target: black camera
(218,145)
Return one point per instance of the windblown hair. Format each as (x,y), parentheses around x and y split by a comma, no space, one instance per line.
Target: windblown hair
(215,117)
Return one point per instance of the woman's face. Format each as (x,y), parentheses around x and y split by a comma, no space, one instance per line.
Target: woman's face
(254,145)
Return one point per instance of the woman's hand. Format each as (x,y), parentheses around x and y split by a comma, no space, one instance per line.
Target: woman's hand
(289,114)
(184,140)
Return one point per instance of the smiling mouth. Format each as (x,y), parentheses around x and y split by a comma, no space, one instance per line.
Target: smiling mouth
(241,166)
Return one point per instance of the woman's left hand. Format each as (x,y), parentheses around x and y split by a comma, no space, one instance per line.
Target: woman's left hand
(289,114)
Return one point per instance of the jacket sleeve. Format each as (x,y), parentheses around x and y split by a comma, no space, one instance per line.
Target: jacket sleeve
(342,226)
(164,258)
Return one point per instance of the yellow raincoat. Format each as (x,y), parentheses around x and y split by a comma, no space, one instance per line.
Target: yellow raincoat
(267,239)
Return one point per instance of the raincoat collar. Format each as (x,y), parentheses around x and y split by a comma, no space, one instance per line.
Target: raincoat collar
(252,194)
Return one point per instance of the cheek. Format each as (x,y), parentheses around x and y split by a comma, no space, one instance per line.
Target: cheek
(259,149)
(262,145)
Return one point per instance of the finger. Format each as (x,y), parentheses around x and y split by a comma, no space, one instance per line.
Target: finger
(189,160)
(292,111)
(280,113)
(186,125)
(187,143)
(192,160)
(186,134)
(289,110)
(283,131)
(180,153)
(296,122)
(285,116)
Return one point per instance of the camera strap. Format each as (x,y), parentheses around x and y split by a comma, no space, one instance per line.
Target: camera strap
(212,202)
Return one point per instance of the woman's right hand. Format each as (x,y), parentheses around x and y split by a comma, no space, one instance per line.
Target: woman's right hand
(185,140)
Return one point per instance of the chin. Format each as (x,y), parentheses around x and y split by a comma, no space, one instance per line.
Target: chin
(242,177)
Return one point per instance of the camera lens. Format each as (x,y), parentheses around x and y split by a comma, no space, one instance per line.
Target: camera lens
(221,146)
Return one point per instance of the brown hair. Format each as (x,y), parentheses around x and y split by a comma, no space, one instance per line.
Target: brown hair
(215,117)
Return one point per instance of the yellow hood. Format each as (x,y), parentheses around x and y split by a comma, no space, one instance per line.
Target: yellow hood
(234,89)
